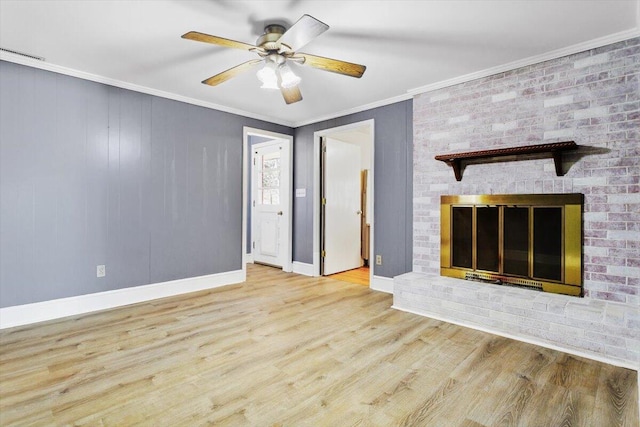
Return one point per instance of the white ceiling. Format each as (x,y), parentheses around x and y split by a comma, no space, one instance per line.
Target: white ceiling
(406,45)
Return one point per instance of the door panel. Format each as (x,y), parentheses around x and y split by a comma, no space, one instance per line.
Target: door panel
(269,235)
(341,188)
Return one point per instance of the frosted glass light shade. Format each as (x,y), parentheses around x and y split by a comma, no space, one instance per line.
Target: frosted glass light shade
(267,75)
(288,78)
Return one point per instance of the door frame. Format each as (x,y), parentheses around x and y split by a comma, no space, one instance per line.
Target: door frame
(287,265)
(316,191)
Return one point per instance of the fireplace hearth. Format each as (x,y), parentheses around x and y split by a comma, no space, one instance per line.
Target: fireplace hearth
(526,240)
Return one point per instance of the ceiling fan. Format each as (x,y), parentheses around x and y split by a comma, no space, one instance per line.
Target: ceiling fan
(276,48)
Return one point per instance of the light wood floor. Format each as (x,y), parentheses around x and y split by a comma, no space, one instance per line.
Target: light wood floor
(358,276)
(288,350)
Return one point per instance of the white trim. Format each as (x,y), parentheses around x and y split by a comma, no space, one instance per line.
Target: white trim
(63,307)
(248,258)
(569,50)
(315,206)
(245,175)
(382,284)
(47,66)
(354,110)
(529,340)
(18,59)
(303,268)
(316,188)
(6,56)
(288,139)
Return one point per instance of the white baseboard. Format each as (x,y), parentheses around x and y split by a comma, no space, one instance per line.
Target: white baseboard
(302,268)
(248,258)
(382,284)
(54,309)
(530,340)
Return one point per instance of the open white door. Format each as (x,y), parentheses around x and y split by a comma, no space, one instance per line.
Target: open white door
(341,193)
(270,192)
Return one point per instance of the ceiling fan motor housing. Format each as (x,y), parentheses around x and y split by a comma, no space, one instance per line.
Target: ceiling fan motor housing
(269,40)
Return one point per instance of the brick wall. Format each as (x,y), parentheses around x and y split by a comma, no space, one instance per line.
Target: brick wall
(592,98)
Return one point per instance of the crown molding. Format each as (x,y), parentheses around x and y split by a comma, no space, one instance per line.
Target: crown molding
(22,60)
(554,54)
(354,110)
(18,59)
(569,50)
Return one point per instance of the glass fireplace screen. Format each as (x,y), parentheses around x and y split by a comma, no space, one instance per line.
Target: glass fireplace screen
(527,240)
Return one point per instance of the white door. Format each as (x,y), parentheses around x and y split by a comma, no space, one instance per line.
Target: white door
(270,192)
(341,192)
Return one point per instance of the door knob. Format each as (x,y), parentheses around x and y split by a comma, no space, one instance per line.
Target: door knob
(279,212)
(359,213)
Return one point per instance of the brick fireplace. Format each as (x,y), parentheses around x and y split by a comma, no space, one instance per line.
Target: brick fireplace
(592,98)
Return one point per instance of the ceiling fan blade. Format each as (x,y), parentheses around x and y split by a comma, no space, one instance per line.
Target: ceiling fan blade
(231,72)
(220,41)
(291,94)
(333,65)
(302,32)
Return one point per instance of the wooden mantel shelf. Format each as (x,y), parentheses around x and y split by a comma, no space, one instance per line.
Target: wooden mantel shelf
(555,148)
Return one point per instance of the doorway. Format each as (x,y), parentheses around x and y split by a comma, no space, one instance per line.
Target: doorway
(267,198)
(343,211)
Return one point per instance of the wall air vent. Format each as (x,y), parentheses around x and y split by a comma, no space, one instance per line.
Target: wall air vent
(504,280)
(26,55)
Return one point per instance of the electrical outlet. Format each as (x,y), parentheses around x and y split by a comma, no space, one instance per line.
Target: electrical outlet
(101,271)
(378,259)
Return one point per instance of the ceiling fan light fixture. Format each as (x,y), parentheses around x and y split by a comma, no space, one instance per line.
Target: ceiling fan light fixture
(288,78)
(276,47)
(267,75)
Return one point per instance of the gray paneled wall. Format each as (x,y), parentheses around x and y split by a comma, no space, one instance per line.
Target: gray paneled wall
(152,188)
(91,174)
(393,210)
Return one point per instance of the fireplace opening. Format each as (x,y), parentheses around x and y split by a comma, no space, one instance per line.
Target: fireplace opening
(524,240)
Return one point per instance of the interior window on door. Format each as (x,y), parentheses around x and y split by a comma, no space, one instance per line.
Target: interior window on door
(270,179)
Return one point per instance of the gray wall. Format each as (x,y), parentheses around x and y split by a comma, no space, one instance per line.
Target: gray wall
(393,186)
(152,188)
(91,174)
